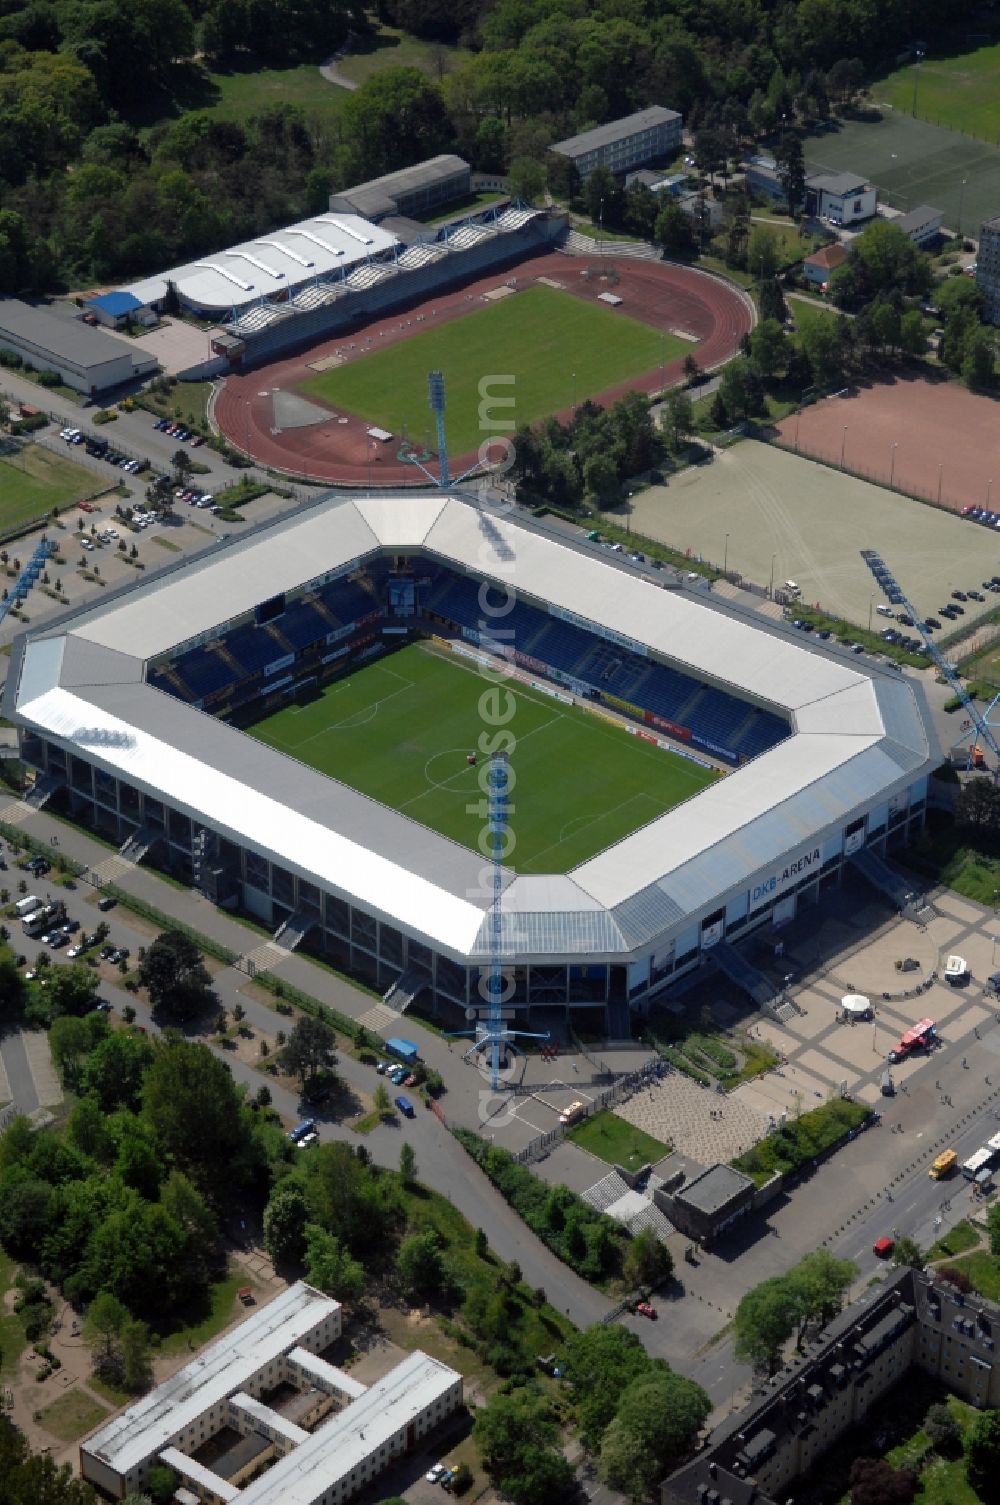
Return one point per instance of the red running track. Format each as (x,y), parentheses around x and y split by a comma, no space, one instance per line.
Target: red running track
(662,295)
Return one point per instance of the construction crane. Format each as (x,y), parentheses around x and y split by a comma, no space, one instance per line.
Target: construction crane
(26,579)
(893,593)
(493,1035)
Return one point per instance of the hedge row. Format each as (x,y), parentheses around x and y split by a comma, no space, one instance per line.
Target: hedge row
(804,1138)
(586,1240)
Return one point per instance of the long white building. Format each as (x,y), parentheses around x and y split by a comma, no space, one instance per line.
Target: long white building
(357,1430)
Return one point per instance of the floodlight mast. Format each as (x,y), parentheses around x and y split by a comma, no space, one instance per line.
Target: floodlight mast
(443,480)
(493,1037)
(893,592)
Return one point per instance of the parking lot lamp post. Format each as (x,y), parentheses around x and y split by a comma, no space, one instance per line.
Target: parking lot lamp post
(989,488)
(961,201)
(916,82)
(725,555)
(843,447)
(892,463)
(871,602)
(770,589)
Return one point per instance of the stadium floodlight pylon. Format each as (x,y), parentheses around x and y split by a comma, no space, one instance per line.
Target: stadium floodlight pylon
(443,480)
(893,593)
(493,1035)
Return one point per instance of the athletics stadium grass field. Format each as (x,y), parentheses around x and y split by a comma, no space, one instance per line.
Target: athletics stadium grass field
(400,731)
(557,348)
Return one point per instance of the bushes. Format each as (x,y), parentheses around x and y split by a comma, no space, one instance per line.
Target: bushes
(803,1139)
(588,1242)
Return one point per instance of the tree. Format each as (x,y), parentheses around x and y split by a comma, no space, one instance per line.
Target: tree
(420,1265)
(673,230)
(982,1454)
(875,1482)
(330,1268)
(739,389)
(765,1320)
(175,976)
(285,1218)
(407,1162)
(943,1430)
(762,254)
(115,1068)
(526,179)
(102,1327)
(308,1047)
(978,806)
(600,477)
(509,1425)
(817,1285)
(193,1107)
(912,339)
(656,1424)
(739,232)
(768,354)
(381,1101)
(993,1219)
(598,1364)
(648,1262)
(182,465)
(978,362)
(908,1252)
(73,990)
(69,1042)
(791,169)
(678,418)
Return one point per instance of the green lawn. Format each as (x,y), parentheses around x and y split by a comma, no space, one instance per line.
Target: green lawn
(807,314)
(186,401)
(960,91)
(983,1269)
(221,1308)
(239,94)
(944,854)
(389,48)
(558,348)
(71,1415)
(12,1339)
(610,1138)
(33,480)
(400,731)
(962,1237)
(790,243)
(467,205)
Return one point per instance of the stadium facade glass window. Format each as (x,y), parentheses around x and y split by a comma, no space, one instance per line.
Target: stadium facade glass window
(257,872)
(338,916)
(154,814)
(282,885)
(390,945)
(81,776)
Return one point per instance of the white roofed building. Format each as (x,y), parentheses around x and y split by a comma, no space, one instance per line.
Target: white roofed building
(124,709)
(272,267)
(361,1430)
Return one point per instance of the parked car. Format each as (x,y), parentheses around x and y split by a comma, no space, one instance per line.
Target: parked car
(107,903)
(74,952)
(644,1309)
(58,940)
(406,1107)
(883,1247)
(70,927)
(434,1474)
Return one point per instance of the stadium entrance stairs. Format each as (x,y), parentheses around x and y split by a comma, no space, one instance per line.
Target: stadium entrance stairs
(138,844)
(744,974)
(896,887)
(404,991)
(293,931)
(619,1020)
(42,790)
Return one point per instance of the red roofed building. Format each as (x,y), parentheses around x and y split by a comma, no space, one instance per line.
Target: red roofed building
(820,264)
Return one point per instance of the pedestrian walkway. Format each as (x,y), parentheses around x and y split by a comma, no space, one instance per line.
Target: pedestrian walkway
(379,1018)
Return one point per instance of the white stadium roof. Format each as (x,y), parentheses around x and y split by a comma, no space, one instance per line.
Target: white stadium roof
(858,732)
(271,264)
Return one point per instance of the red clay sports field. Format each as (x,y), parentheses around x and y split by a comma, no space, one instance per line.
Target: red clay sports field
(664,296)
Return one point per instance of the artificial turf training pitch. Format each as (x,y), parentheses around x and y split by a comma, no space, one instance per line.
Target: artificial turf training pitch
(400,730)
(559,349)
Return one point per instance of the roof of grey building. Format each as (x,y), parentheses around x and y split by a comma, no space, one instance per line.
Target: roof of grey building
(714,1189)
(742,1442)
(66,338)
(837,183)
(380,195)
(615,130)
(917,217)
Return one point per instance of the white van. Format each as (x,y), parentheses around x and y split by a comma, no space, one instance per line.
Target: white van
(885,611)
(26,906)
(792,588)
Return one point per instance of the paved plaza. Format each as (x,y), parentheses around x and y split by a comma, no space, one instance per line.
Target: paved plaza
(821,1053)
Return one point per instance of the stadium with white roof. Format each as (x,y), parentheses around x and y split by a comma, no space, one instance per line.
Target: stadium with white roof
(125,711)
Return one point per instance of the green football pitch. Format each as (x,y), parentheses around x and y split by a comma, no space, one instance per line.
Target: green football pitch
(558,348)
(958,91)
(400,730)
